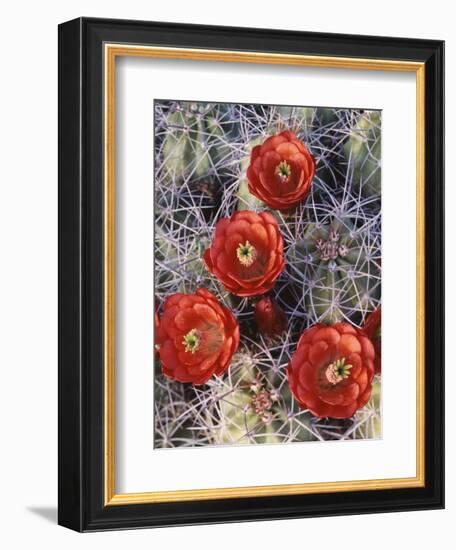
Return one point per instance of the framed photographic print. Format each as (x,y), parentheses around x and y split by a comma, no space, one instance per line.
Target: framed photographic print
(250,274)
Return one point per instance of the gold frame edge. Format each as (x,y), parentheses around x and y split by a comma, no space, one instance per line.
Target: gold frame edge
(111,52)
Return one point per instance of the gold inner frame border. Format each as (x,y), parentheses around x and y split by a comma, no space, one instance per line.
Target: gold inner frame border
(111,53)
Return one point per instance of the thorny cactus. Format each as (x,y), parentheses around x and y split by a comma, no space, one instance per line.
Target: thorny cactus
(196,140)
(247,406)
(333,261)
(340,265)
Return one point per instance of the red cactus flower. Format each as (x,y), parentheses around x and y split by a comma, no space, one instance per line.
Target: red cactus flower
(332,369)
(196,338)
(373,328)
(270,317)
(246,254)
(281,171)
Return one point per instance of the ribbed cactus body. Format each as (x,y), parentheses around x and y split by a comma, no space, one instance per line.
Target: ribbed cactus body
(196,140)
(363,151)
(250,408)
(341,272)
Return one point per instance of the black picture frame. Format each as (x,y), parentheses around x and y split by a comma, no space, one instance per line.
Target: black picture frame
(81,473)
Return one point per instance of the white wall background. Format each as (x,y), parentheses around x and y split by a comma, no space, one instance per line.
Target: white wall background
(28,273)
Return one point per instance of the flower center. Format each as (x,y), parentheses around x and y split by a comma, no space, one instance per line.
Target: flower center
(245,253)
(191,341)
(283,170)
(337,371)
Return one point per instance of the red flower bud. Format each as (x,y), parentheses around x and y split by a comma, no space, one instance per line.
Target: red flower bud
(270,317)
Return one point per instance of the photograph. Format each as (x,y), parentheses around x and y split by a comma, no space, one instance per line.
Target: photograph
(267,274)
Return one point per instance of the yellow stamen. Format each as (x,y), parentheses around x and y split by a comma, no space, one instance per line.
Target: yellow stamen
(337,371)
(245,254)
(191,341)
(283,170)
